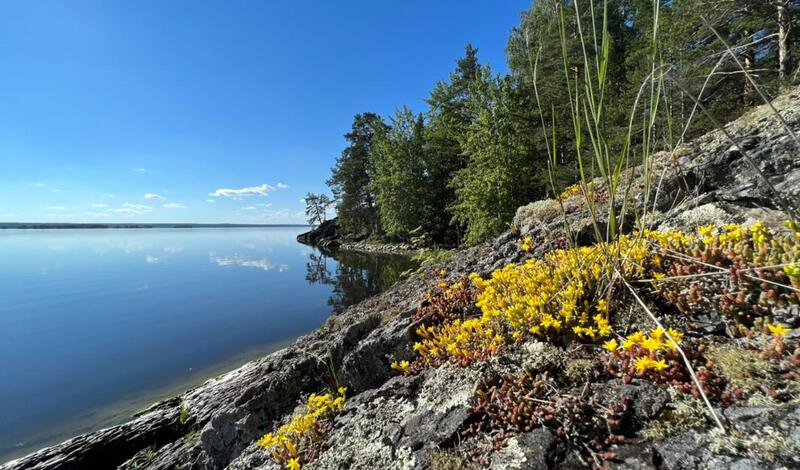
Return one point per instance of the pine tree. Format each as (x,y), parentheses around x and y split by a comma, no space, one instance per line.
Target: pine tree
(350,178)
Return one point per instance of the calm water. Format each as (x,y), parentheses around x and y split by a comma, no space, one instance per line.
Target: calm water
(96,324)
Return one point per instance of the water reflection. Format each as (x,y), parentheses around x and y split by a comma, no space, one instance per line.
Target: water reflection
(179,305)
(356,276)
(263,263)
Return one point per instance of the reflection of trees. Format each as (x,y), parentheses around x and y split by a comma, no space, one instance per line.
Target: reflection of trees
(358,275)
(317,269)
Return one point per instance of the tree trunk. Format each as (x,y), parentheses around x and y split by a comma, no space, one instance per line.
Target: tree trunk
(784,40)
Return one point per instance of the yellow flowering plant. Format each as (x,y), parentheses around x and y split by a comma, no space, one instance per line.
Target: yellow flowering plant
(300,440)
(571,294)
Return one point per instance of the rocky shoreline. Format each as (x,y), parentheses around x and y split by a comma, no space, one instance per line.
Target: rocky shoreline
(326,237)
(416,421)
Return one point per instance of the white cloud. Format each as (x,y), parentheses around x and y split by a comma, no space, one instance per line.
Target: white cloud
(174,205)
(99,205)
(211,200)
(264,264)
(129,208)
(282,185)
(139,170)
(264,204)
(153,196)
(97,214)
(151,259)
(249,208)
(57,208)
(260,190)
(39,185)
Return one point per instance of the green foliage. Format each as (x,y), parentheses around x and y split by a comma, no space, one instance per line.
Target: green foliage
(184,416)
(350,178)
(401,180)
(502,173)
(448,119)
(593,87)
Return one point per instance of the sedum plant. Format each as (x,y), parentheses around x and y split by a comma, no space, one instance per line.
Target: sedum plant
(301,440)
(570,294)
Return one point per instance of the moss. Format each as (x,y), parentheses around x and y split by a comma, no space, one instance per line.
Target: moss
(682,412)
(447,460)
(580,371)
(743,368)
(766,443)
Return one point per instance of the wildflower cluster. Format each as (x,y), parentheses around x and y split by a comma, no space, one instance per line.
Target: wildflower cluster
(644,355)
(301,440)
(576,190)
(520,403)
(550,298)
(742,272)
(569,191)
(655,357)
(570,294)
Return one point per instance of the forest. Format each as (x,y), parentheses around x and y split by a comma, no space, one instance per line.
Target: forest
(455,173)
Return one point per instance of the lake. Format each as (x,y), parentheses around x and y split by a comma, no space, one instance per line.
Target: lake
(97,324)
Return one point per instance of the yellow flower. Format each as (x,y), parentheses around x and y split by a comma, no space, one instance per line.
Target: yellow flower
(676,335)
(658,365)
(267,441)
(602,306)
(777,330)
(652,344)
(643,363)
(611,345)
(293,464)
(402,366)
(342,390)
(706,230)
(637,337)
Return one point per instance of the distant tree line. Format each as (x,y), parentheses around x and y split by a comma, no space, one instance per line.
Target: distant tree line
(456,172)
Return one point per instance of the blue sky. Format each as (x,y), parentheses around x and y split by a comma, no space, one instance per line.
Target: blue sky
(200,111)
